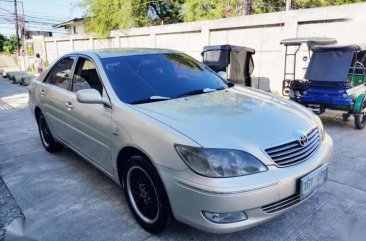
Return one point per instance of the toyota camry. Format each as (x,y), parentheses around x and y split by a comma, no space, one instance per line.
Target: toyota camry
(183,143)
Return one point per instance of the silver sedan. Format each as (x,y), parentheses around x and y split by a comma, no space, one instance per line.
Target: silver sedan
(183,143)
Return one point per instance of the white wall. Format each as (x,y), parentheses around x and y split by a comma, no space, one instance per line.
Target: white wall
(262,32)
(8,60)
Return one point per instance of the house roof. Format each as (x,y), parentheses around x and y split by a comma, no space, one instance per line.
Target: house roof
(68,23)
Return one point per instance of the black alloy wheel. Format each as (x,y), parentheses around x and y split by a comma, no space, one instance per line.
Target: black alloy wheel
(146,195)
(47,139)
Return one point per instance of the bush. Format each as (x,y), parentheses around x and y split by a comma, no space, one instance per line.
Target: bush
(8,45)
(31,68)
(46,63)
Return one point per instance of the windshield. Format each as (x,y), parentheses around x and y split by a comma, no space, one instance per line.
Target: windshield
(159,76)
(329,66)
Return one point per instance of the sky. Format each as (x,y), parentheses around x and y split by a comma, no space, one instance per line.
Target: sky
(40,14)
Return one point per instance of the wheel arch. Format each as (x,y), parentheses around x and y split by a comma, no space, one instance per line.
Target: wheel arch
(360,103)
(123,156)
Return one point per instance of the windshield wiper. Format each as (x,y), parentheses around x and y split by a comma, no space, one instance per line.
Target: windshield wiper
(153,98)
(197,92)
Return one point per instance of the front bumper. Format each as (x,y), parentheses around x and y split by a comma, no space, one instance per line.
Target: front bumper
(190,194)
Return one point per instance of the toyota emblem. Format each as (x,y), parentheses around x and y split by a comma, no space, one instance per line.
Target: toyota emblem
(303,140)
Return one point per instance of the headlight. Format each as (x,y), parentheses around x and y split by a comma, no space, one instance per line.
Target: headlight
(212,162)
(319,123)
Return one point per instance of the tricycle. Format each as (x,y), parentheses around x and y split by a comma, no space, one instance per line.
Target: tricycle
(291,85)
(336,79)
(234,63)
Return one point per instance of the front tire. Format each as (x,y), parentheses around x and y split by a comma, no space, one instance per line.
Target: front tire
(47,139)
(146,195)
(360,121)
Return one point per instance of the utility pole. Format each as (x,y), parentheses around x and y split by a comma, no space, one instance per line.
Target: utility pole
(288,5)
(16,25)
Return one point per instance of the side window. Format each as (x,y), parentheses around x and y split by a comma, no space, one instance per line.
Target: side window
(86,77)
(60,74)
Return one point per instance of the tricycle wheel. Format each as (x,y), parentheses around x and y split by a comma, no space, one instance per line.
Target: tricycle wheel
(360,121)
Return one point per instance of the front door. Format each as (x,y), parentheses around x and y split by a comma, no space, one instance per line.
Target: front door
(89,126)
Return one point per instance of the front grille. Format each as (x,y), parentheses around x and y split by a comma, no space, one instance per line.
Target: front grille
(292,153)
(282,204)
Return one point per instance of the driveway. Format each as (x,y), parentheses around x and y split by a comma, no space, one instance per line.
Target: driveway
(65,198)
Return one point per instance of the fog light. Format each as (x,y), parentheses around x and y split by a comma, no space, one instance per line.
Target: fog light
(305,92)
(225,217)
(345,96)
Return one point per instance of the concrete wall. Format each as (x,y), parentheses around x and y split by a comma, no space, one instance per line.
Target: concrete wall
(262,32)
(8,61)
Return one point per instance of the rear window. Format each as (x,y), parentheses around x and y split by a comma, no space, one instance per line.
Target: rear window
(139,77)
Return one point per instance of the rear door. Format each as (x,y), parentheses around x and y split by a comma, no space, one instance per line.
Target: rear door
(90,124)
(54,92)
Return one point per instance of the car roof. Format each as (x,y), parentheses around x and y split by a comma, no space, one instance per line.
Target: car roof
(227,47)
(117,52)
(353,47)
(310,41)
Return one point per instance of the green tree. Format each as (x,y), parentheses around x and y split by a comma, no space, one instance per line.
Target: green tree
(267,6)
(3,38)
(9,45)
(102,16)
(194,10)
(322,3)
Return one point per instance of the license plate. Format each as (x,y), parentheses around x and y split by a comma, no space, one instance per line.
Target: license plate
(313,180)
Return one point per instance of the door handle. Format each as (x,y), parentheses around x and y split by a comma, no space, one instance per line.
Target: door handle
(43,93)
(68,105)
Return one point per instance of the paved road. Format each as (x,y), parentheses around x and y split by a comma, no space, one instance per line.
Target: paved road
(68,199)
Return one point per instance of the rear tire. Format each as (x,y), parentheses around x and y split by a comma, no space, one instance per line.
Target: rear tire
(146,195)
(47,139)
(360,121)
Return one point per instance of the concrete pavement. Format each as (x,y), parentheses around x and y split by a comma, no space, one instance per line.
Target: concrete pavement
(65,198)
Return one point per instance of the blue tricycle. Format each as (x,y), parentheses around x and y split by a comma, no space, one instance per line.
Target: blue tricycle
(336,80)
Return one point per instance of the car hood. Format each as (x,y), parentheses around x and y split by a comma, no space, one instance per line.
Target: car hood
(235,118)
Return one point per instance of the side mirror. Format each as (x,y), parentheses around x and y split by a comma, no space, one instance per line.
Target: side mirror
(90,96)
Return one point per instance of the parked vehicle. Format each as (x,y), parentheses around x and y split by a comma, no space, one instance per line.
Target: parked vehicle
(179,140)
(234,63)
(337,80)
(291,85)
(26,79)
(11,74)
(17,79)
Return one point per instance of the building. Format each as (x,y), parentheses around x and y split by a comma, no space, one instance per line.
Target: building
(74,26)
(30,34)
